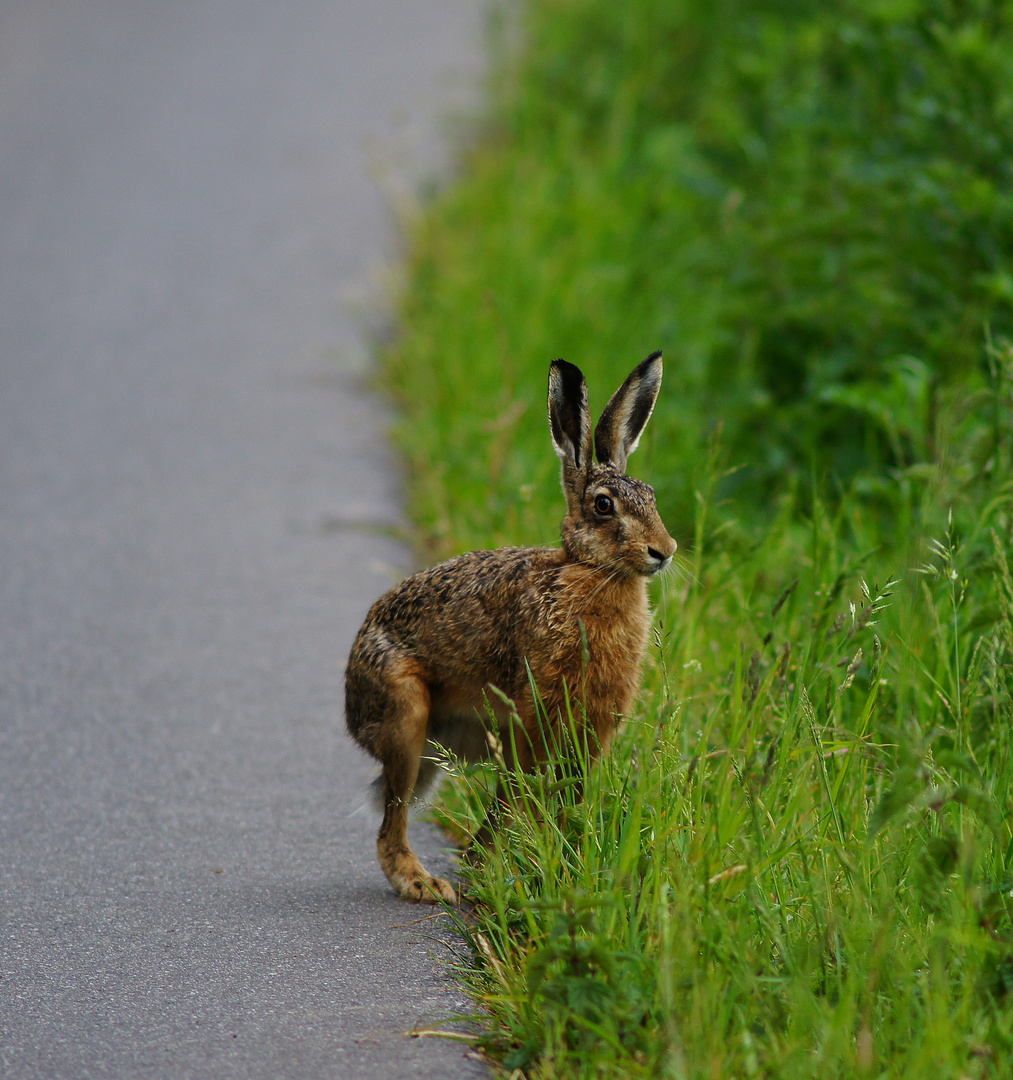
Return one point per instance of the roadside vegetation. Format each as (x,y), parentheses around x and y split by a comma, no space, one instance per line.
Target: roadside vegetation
(798,859)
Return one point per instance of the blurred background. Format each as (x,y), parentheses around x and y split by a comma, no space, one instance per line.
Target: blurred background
(809,207)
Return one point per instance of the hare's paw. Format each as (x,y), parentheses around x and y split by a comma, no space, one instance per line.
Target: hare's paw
(413,882)
(426,889)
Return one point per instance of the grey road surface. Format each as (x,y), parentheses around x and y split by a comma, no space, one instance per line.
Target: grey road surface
(194,489)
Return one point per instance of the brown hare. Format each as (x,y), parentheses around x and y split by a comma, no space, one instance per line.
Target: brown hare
(576,617)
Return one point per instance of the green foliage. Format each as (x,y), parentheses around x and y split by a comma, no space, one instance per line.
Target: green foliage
(808,206)
(798,859)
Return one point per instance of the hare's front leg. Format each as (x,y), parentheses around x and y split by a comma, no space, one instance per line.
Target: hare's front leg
(400,749)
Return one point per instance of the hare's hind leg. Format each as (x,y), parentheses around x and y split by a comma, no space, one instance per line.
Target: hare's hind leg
(400,747)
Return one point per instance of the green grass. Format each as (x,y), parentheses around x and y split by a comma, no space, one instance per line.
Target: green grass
(796,862)
(798,858)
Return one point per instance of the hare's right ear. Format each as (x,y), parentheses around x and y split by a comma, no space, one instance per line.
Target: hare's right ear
(570,424)
(625,417)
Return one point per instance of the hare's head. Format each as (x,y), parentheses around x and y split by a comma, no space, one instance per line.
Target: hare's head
(611,519)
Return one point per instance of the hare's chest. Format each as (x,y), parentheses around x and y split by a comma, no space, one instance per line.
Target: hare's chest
(602,629)
(616,648)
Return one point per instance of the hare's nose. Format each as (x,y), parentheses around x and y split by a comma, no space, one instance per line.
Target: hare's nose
(655,554)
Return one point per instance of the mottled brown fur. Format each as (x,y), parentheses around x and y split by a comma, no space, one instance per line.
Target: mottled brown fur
(423,662)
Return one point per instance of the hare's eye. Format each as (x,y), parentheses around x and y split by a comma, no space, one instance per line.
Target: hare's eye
(603,504)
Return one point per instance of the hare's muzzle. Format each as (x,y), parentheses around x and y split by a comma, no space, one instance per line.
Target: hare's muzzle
(659,553)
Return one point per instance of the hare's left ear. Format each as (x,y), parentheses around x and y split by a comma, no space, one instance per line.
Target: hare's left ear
(626,415)
(570,426)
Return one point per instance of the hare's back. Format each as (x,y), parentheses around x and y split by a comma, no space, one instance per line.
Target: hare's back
(470,610)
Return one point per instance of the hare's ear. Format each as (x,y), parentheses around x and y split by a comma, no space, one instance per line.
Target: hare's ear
(570,424)
(626,415)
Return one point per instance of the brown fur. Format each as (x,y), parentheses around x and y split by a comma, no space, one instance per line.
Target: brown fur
(423,662)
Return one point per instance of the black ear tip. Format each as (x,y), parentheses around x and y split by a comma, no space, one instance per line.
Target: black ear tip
(570,376)
(655,357)
(651,367)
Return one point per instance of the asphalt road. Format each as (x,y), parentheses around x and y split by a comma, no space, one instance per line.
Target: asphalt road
(194,492)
